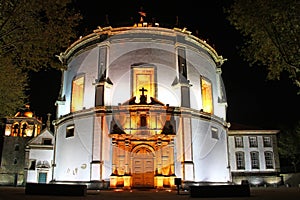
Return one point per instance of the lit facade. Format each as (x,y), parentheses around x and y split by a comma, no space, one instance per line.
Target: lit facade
(254,156)
(39,158)
(138,107)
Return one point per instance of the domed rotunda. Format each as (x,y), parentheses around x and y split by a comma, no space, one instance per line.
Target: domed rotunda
(140,106)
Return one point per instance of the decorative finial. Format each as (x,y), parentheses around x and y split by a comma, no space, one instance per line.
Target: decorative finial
(48,121)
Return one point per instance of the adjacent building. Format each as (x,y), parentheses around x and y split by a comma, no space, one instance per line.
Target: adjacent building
(254,156)
(39,158)
(19,129)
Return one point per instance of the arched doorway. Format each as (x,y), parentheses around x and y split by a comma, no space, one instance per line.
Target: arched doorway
(142,167)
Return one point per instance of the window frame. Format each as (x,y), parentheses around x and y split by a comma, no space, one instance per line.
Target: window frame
(78,104)
(17,147)
(214,133)
(269,159)
(138,71)
(267,143)
(70,131)
(46,139)
(32,164)
(206,97)
(254,156)
(253,143)
(240,160)
(238,144)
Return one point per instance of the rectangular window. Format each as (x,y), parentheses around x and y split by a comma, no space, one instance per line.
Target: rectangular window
(238,142)
(214,133)
(99,98)
(17,147)
(70,131)
(143,82)
(77,94)
(240,160)
(269,159)
(207,98)
(47,141)
(32,165)
(267,141)
(253,141)
(254,160)
(143,121)
(182,62)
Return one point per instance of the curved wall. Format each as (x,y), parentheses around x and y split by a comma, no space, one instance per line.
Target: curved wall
(190,141)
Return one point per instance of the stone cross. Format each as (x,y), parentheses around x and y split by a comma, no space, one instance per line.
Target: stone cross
(143,90)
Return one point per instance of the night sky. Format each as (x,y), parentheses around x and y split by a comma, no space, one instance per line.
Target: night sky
(252,100)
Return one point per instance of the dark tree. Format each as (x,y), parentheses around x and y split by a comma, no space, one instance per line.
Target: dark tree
(32,33)
(289,148)
(271,30)
(12,87)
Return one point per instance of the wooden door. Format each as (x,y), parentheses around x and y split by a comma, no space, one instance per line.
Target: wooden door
(143,168)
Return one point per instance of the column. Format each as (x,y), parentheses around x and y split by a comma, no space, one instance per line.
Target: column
(127,176)
(172,164)
(96,151)
(159,178)
(187,164)
(114,175)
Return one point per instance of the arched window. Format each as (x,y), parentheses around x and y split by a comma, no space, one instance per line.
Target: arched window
(17,147)
(269,159)
(15,129)
(77,93)
(254,159)
(240,160)
(24,129)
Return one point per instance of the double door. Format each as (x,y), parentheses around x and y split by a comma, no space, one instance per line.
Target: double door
(143,168)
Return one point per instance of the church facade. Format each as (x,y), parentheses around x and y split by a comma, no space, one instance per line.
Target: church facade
(140,106)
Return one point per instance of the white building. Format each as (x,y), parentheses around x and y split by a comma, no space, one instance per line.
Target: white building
(39,158)
(254,156)
(140,106)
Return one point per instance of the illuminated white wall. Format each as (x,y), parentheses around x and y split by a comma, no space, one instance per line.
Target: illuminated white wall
(208,155)
(42,153)
(73,154)
(124,51)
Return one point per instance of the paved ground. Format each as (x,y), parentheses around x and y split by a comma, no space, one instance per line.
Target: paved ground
(282,193)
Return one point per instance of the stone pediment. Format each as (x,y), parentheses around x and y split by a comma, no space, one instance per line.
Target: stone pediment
(39,139)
